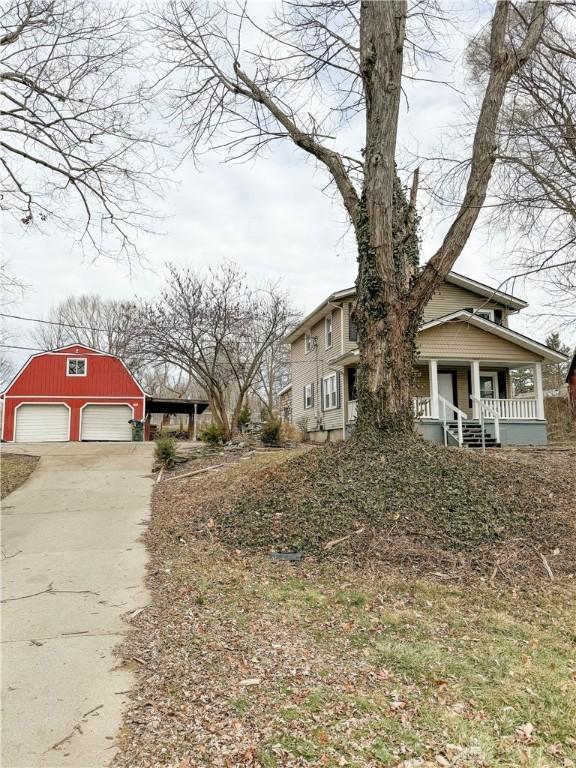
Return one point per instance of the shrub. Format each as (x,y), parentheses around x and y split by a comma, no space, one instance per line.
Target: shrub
(165,451)
(291,433)
(213,434)
(270,432)
(244,416)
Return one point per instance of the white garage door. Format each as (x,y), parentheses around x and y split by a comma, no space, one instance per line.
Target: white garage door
(106,422)
(42,423)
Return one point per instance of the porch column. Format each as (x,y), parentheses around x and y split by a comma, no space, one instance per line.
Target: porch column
(433,376)
(195,420)
(475,369)
(538,391)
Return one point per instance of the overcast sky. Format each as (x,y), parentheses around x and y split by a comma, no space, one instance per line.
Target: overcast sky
(271,216)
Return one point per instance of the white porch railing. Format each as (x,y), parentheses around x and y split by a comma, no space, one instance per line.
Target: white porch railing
(422,407)
(502,409)
(445,406)
(485,410)
(513,409)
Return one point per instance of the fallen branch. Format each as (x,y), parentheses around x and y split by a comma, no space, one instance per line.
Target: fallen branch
(333,543)
(91,711)
(546,565)
(77,728)
(196,472)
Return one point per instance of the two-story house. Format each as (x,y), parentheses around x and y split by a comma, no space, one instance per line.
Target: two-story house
(466,350)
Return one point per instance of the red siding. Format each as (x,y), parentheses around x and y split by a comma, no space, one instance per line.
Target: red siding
(44,379)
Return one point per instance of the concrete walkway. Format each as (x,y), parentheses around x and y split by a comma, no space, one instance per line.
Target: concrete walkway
(72,565)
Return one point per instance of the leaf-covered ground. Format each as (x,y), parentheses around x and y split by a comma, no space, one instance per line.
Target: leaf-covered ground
(411,505)
(14,470)
(329,662)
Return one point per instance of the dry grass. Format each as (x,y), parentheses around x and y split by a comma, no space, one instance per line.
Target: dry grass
(15,470)
(242,662)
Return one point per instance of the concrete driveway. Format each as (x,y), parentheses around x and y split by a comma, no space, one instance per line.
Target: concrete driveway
(72,565)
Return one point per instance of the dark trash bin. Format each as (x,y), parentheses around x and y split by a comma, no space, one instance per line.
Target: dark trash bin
(137,430)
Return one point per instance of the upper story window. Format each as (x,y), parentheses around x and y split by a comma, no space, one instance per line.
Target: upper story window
(328,330)
(310,342)
(352,327)
(487,314)
(76,366)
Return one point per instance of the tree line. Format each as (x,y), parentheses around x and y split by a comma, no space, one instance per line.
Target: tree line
(207,335)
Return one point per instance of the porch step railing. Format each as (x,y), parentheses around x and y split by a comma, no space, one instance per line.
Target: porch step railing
(513,409)
(422,407)
(486,411)
(446,406)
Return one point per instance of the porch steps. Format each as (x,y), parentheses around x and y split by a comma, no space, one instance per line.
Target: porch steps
(472,435)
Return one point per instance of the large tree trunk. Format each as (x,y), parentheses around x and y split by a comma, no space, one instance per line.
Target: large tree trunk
(386,234)
(391,293)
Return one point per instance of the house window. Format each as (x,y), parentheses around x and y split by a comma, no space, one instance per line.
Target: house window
(328,330)
(76,366)
(309,396)
(352,327)
(330,391)
(489,385)
(310,342)
(487,314)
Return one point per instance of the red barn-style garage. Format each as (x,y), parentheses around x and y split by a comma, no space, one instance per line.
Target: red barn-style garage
(71,393)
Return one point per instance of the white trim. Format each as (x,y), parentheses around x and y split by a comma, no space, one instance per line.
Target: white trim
(494,376)
(285,389)
(506,299)
(76,360)
(128,405)
(50,352)
(77,397)
(342,325)
(41,403)
(3,417)
(328,319)
(329,376)
(498,330)
(434,392)
(475,382)
(500,297)
(539,391)
(481,311)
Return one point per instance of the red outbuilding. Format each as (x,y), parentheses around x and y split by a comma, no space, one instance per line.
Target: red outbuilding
(72,393)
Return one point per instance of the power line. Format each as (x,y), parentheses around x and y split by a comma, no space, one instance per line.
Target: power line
(29,349)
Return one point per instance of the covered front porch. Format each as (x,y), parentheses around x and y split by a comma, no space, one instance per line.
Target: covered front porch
(465,402)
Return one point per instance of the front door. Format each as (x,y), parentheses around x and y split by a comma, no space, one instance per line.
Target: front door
(445,388)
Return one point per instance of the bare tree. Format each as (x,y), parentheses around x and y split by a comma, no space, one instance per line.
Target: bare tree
(273,374)
(534,186)
(105,324)
(305,74)
(217,330)
(73,145)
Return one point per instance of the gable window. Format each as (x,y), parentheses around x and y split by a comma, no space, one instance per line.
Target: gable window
(487,314)
(330,391)
(328,330)
(309,396)
(352,327)
(76,366)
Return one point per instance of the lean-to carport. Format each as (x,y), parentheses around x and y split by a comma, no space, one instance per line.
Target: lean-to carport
(171,406)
